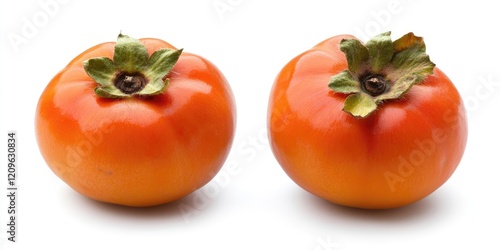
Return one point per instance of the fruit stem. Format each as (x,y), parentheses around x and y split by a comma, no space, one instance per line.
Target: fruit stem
(130,83)
(379,71)
(374,85)
(131,71)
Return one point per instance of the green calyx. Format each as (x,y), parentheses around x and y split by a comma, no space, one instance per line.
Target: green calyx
(131,71)
(380,70)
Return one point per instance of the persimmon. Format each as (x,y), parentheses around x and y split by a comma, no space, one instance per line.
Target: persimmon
(136,122)
(370,125)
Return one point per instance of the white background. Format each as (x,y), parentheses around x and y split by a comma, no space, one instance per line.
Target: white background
(254,206)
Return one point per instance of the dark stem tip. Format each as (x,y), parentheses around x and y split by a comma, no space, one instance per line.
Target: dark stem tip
(130,83)
(374,85)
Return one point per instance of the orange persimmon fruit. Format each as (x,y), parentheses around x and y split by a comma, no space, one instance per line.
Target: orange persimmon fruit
(370,125)
(136,122)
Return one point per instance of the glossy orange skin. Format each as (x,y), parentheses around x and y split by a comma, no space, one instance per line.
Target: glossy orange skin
(137,151)
(399,154)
